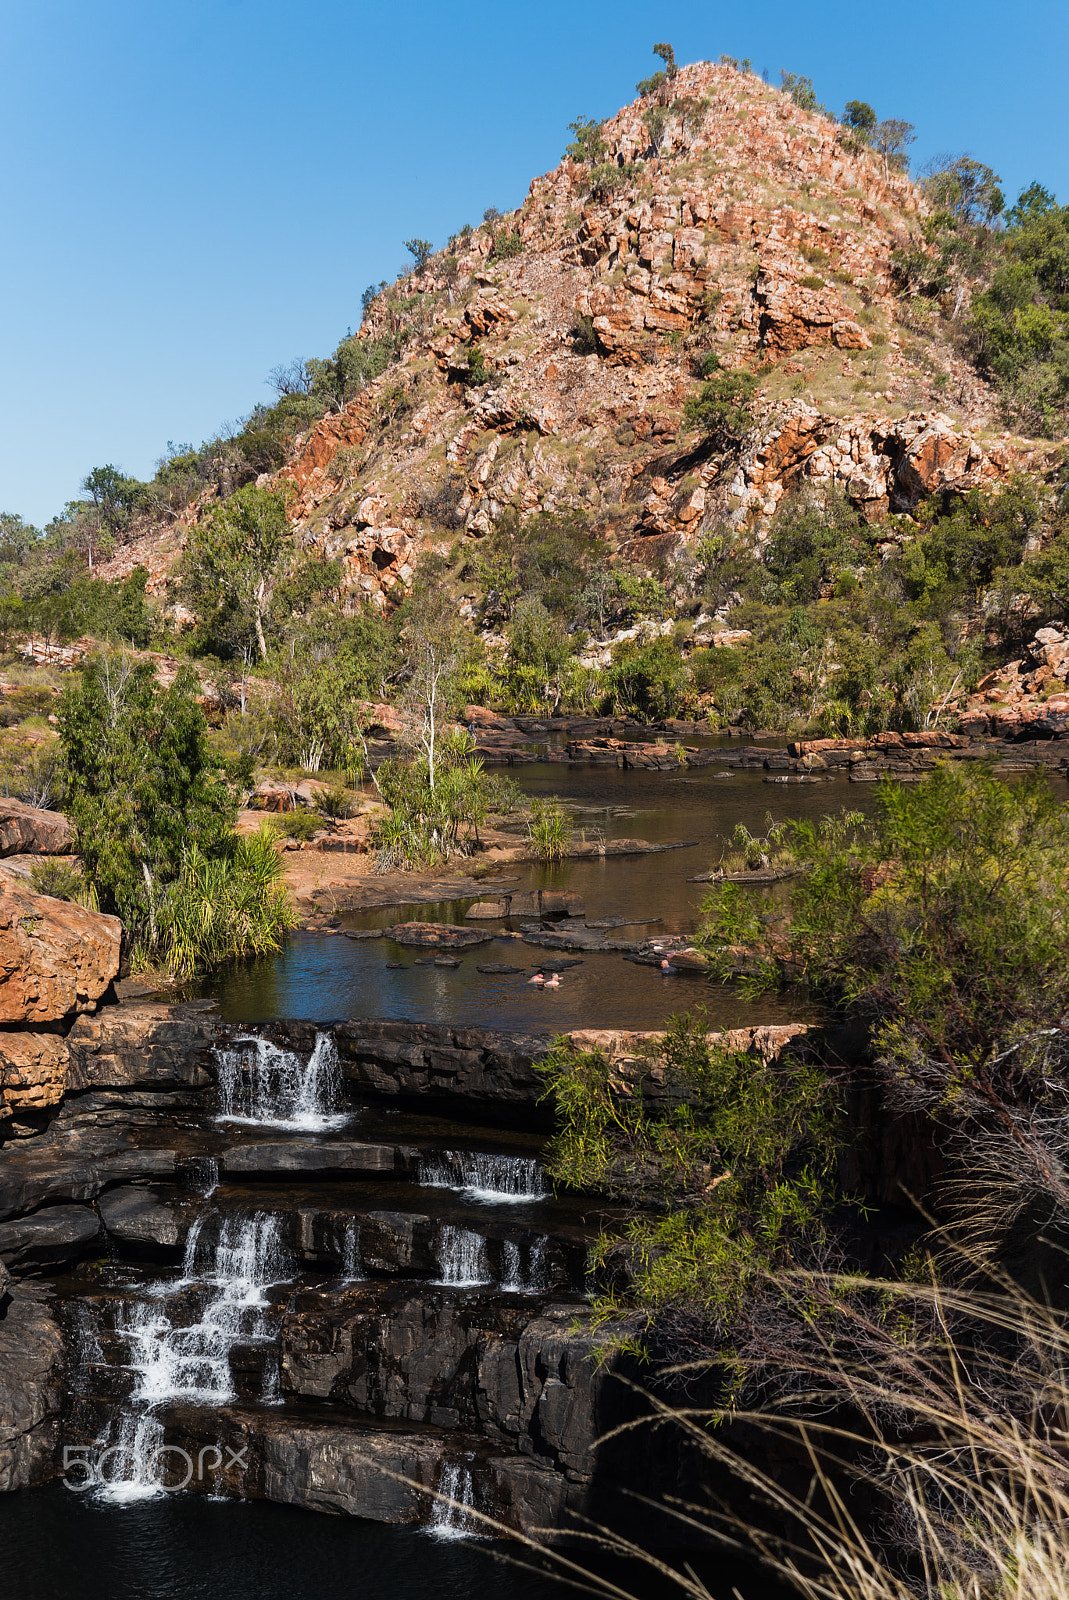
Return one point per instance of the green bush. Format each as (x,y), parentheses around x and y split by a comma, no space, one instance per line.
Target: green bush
(296,824)
(506,245)
(225,906)
(721,408)
(549,830)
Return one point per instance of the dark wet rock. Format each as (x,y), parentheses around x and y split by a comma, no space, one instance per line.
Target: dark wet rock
(144,1045)
(446,961)
(498,969)
(577,939)
(136,1217)
(435,1062)
(394,966)
(624,922)
(439,935)
(364,933)
(267,1159)
(71,1163)
(50,1238)
(31,1385)
(537,903)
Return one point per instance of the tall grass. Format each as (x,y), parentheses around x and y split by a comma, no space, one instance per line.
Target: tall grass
(949,1480)
(548,830)
(224,907)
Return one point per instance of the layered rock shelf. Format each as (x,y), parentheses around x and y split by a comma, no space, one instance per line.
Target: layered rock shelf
(333,1251)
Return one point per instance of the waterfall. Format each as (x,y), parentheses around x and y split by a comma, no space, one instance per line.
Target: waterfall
(450,1518)
(192,1362)
(262,1085)
(484,1176)
(461,1258)
(133,1465)
(352,1266)
(271,1391)
(536,1279)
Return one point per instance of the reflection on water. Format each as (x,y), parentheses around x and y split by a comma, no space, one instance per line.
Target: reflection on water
(325,977)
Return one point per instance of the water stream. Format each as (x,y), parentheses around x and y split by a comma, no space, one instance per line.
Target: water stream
(485,1176)
(263,1085)
(451,1517)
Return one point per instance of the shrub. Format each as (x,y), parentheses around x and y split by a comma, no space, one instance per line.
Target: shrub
(421,251)
(62,882)
(721,408)
(335,802)
(506,245)
(225,906)
(549,830)
(296,824)
(588,144)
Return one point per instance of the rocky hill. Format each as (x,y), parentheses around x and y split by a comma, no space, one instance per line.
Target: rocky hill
(549,355)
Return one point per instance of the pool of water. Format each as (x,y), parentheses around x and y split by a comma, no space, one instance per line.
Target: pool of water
(326,977)
(58,1545)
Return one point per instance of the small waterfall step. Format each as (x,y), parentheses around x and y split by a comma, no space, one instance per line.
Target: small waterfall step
(486,1176)
(264,1085)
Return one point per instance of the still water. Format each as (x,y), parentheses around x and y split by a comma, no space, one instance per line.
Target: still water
(328,978)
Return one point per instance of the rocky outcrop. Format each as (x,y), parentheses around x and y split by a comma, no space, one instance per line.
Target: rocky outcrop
(26,830)
(31,1385)
(50,1238)
(56,958)
(434,1062)
(144,1044)
(752,232)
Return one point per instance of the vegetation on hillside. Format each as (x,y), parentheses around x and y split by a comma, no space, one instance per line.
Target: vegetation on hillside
(153,811)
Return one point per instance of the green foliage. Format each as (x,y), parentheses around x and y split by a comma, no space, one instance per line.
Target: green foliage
(549,830)
(800,90)
(431,821)
(62,882)
(296,824)
(143,787)
(721,408)
(474,370)
(547,556)
(224,906)
(588,143)
(738,1156)
(943,923)
(860,118)
(231,559)
(420,250)
(959,552)
(966,190)
(812,538)
(335,802)
(647,680)
(506,245)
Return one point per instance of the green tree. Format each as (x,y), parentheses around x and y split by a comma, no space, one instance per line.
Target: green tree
(892,139)
(721,407)
(421,251)
(233,554)
(588,143)
(860,118)
(142,784)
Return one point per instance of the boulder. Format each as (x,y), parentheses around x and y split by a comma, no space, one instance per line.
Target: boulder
(436,935)
(143,1044)
(26,830)
(135,1216)
(49,1238)
(285,1156)
(31,1386)
(56,958)
(33,1071)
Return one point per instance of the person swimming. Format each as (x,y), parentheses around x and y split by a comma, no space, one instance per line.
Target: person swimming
(553,982)
(667,967)
(539,979)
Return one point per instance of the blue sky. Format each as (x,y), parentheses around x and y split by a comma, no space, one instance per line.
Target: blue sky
(193,192)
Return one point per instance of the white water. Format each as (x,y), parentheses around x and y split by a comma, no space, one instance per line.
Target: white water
(262,1085)
(483,1176)
(450,1517)
(176,1361)
(536,1279)
(352,1266)
(133,1465)
(461,1258)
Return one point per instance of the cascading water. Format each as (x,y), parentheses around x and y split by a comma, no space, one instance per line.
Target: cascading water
(451,1517)
(461,1258)
(133,1465)
(514,1280)
(485,1176)
(262,1085)
(352,1266)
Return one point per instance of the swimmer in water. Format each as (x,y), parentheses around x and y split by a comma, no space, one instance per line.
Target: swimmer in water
(539,979)
(554,981)
(667,967)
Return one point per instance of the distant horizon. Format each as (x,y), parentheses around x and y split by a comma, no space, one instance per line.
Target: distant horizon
(201,194)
